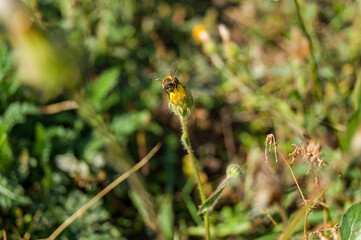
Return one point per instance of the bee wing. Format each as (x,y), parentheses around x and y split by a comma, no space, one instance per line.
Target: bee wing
(155,76)
(173,69)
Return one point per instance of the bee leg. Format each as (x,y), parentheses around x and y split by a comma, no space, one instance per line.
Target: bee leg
(176,81)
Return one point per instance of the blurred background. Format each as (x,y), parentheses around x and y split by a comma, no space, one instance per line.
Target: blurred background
(78,107)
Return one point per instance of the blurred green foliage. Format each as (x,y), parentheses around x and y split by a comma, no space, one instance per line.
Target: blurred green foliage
(257,80)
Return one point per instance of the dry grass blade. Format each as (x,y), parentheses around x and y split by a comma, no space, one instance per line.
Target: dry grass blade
(274,221)
(34,221)
(301,212)
(59,107)
(81,211)
(4,235)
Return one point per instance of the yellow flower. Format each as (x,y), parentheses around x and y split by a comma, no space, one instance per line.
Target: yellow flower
(200,34)
(179,95)
(181,101)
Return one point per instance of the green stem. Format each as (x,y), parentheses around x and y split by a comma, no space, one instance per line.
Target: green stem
(317,87)
(187,145)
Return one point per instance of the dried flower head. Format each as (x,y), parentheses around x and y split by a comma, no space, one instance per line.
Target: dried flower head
(318,232)
(270,142)
(310,151)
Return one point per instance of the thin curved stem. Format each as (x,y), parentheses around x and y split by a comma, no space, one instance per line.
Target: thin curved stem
(293,175)
(187,145)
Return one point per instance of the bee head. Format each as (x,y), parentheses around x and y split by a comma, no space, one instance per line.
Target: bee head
(167,81)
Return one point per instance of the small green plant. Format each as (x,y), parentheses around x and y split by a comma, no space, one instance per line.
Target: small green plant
(181,103)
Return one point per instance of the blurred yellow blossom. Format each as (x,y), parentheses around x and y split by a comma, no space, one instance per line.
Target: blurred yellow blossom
(200,34)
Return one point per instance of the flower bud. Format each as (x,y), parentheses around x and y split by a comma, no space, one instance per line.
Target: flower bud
(181,101)
(233,171)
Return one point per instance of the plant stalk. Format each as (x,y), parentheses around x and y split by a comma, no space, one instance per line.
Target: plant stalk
(314,65)
(293,175)
(187,145)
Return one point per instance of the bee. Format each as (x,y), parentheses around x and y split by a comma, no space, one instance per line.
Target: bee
(178,95)
(170,83)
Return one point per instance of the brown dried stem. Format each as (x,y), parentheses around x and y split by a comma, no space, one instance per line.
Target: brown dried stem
(58,107)
(274,221)
(81,211)
(293,175)
(271,141)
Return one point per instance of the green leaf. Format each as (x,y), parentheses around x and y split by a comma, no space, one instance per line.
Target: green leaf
(11,195)
(103,85)
(166,216)
(211,201)
(351,223)
(6,60)
(6,154)
(356,93)
(15,114)
(355,119)
(128,123)
(41,145)
(352,126)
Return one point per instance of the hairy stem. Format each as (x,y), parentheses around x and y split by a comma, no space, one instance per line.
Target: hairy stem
(187,145)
